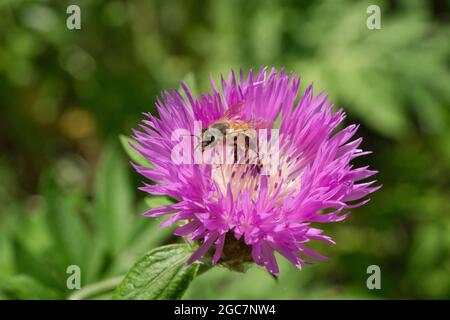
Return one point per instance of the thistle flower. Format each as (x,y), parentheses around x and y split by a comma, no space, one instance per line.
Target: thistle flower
(234,211)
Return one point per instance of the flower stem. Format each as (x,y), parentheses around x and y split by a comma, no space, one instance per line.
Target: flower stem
(96,288)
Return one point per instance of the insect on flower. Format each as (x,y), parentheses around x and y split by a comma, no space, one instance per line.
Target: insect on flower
(241,135)
(271,202)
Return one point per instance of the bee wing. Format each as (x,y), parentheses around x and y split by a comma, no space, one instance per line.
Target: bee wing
(234,111)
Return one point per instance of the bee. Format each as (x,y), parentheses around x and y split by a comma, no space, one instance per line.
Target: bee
(240,133)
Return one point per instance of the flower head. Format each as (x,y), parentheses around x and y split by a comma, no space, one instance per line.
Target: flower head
(266,200)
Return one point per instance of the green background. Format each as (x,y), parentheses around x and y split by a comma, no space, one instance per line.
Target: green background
(69,197)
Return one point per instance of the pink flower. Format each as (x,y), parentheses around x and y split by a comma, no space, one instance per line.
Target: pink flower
(236,212)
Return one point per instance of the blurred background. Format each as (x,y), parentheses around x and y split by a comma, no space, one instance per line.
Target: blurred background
(69,197)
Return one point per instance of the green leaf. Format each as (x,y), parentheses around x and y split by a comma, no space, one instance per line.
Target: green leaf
(65,223)
(160,274)
(46,267)
(96,261)
(158,201)
(146,235)
(7,229)
(23,287)
(191,82)
(135,156)
(114,201)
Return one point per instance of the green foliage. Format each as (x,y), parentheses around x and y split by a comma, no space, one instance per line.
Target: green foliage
(135,156)
(114,202)
(22,287)
(103,236)
(160,274)
(68,196)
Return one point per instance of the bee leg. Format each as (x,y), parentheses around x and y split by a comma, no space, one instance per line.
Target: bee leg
(235,149)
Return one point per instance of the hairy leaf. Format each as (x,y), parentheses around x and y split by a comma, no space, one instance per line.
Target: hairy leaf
(160,274)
